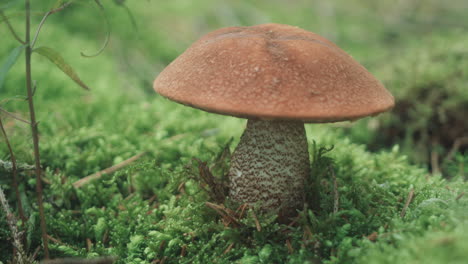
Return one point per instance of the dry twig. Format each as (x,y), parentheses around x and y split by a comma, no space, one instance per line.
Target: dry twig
(97,175)
(228,248)
(227,214)
(15,116)
(241,210)
(257,223)
(217,190)
(408,201)
(183,250)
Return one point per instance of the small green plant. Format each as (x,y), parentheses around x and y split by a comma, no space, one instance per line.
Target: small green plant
(27,45)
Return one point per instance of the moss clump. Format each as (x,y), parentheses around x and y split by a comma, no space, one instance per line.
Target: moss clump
(151,212)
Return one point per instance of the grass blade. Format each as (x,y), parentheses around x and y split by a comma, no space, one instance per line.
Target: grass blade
(57,59)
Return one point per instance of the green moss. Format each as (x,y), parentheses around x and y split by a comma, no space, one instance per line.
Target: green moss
(160,220)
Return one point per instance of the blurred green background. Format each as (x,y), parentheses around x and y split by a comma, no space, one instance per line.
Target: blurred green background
(417,48)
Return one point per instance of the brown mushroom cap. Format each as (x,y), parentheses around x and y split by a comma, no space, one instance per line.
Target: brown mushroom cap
(273,71)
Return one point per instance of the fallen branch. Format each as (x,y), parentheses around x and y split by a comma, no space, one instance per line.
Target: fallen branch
(97,175)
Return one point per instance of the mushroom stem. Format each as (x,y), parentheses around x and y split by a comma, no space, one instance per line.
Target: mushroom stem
(270,165)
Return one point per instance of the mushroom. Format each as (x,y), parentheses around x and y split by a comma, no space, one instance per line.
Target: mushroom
(278,77)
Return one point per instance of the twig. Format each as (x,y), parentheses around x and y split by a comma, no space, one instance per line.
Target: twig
(289,246)
(216,189)
(221,210)
(242,210)
(456,145)
(89,244)
(175,137)
(50,12)
(14,116)
(373,236)
(459,196)
(97,175)
(228,248)
(59,242)
(12,30)
(307,233)
(336,194)
(257,223)
(14,172)
(408,201)
(183,250)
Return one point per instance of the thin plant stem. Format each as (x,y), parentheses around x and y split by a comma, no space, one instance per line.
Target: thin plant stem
(50,12)
(106,41)
(34,130)
(14,116)
(10,27)
(14,173)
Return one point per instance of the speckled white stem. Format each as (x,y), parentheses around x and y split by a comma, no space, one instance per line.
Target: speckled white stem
(270,165)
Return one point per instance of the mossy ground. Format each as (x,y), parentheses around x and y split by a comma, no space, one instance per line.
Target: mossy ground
(154,209)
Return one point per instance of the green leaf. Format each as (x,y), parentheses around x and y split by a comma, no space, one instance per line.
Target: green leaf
(57,59)
(9,62)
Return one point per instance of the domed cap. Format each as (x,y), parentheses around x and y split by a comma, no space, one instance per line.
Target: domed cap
(273,71)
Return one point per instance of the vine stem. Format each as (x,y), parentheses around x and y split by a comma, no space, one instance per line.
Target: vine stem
(10,27)
(34,130)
